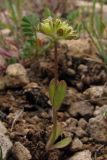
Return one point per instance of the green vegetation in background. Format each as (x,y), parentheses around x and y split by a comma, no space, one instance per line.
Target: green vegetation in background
(13,17)
(94,25)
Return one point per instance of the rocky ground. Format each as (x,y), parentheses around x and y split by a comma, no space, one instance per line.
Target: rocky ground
(25,109)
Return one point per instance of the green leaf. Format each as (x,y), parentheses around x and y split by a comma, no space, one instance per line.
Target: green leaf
(29,24)
(55,134)
(59,94)
(1,154)
(100,26)
(52,88)
(63,143)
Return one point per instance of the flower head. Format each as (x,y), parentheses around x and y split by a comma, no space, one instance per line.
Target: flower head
(57,29)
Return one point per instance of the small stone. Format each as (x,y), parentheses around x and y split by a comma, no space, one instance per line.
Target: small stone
(36,119)
(83,155)
(71,96)
(85,139)
(80,132)
(16,75)
(83,68)
(69,127)
(77,144)
(30,86)
(79,48)
(82,108)
(100,110)
(94,92)
(72,122)
(5,144)
(82,123)
(86,80)
(80,86)
(70,72)
(54,155)
(5,32)
(61,115)
(69,63)
(21,152)
(15,69)
(97,128)
(45,115)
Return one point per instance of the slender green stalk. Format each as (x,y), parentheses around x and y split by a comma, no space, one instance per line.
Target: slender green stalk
(99,48)
(54,112)
(56,80)
(101,9)
(56,62)
(54,122)
(93,14)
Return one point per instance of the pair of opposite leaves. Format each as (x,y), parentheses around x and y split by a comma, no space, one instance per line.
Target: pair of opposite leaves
(57,92)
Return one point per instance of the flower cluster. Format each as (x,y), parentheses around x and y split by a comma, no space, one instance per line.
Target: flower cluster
(57,29)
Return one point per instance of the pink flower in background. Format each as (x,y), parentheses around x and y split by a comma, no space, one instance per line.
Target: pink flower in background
(8,54)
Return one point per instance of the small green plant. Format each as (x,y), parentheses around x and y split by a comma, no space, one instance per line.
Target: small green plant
(1,154)
(56,29)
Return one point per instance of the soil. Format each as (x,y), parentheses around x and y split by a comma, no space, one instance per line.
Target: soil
(33,126)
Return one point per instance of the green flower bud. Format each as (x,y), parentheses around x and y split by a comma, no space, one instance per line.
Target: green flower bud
(56,29)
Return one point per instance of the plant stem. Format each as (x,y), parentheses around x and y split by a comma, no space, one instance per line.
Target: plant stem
(56,80)
(54,112)
(54,122)
(56,63)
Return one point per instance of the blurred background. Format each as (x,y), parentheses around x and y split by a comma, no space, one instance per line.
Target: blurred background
(88,17)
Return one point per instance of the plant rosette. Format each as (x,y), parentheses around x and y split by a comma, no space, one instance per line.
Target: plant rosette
(57,29)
